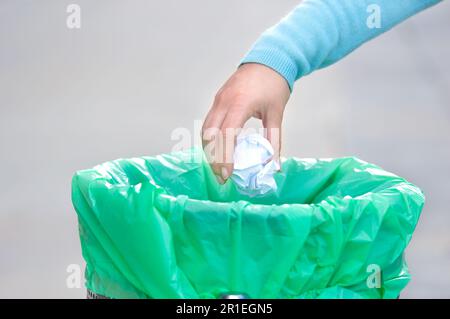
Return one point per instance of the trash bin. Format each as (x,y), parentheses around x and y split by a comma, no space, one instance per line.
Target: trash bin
(162,227)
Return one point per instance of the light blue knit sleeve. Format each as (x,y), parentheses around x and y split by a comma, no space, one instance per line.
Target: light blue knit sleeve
(318,33)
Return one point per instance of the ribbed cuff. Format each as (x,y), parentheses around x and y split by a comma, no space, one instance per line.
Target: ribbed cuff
(276,60)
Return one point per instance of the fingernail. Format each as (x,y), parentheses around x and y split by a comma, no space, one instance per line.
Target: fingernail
(225,173)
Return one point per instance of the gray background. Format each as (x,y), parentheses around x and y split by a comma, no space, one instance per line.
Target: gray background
(70,99)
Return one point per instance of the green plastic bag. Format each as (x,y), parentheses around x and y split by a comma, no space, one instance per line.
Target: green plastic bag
(162,227)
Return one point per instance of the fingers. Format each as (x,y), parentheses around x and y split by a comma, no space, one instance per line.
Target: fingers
(215,116)
(272,121)
(219,131)
(224,123)
(213,122)
(211,134)
(231,127)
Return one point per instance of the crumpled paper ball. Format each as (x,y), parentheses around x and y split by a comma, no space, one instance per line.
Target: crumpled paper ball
(254,167)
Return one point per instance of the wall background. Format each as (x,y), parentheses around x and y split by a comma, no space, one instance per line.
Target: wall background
(117,87)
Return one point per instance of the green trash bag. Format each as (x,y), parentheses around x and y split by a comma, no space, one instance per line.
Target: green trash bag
(162,227)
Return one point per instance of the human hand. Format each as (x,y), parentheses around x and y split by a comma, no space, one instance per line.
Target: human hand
(254,90)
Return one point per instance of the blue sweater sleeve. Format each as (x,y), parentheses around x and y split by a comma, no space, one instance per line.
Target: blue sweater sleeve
(318,33)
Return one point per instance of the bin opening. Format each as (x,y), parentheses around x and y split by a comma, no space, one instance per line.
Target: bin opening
(305,181)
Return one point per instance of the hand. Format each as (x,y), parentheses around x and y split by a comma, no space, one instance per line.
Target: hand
(254,90)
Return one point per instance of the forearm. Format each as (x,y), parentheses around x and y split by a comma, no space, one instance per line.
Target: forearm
(318,33)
